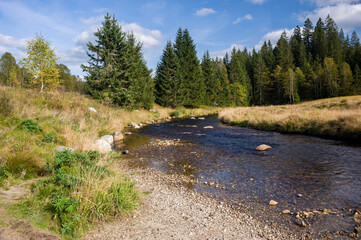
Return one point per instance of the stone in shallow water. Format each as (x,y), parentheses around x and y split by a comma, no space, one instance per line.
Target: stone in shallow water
(286,212)
(208,127)
(300,222)
(263,147)
(118,136)
(273,203)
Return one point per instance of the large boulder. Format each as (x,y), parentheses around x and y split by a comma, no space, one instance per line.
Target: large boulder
(263,147)
(102,146)
(108,138)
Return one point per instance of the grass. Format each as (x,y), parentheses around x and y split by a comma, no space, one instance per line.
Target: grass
(337,118)
(76,190)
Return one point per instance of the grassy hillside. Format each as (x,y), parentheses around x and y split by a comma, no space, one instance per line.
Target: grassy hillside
(79,188)
(338,118)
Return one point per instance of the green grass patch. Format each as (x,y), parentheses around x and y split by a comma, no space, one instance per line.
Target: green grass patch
(79,193)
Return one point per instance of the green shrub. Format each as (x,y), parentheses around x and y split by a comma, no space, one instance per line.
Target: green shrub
(175,114)
(30,126)
(50,138)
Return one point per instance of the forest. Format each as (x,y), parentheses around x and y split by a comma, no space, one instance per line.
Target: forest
(315,62)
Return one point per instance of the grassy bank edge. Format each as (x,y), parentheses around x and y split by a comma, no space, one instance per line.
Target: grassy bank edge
(333,118)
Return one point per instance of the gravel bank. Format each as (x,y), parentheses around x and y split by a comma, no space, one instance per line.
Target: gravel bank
(171,211)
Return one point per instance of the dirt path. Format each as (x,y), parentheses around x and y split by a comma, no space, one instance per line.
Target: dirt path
(12,228)
(171,211)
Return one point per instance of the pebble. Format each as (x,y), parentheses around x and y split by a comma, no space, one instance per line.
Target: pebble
(273,203)
(300,222)
(208,127)
(286,212)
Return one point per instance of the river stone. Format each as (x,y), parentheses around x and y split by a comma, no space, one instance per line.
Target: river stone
(128,133)
(263,147)
(193,118)
(118,136)
(286,212)
(134,125)
(108,138)
(208,127)
(102,146)
(201,118)
(273,203)
(92,109)
(63,148)
(300,222)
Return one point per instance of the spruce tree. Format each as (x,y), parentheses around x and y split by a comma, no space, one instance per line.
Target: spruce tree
(307,35)
(333,40)
(319,41)
(192,88)
(211,81)
(167,78)
(283,52)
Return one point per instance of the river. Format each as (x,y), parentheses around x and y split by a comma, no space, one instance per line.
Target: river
(301,173)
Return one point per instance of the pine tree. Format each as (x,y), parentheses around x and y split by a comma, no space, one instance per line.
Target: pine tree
(224,95)
(283,53)
(307,35)
(319,41)
(116,70)
(333,39)
(192,88)
(261,77)
(211,81)
(277,84)
(357,78)
(141,84)
(167,78)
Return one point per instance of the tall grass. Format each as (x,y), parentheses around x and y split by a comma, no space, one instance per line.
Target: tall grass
(338,118)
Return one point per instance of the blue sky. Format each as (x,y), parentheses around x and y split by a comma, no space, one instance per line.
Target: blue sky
(214,25)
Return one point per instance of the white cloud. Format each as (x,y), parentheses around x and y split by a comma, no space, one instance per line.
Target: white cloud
(245,17)
(324,3)
(346,15)
(257,1)
(149,38)
(12,42)
(273,36)
(221,53)
(205,12)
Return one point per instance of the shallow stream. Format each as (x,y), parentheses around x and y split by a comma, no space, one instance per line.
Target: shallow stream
(301,173)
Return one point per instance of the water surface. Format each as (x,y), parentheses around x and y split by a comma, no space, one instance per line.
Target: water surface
(326,173)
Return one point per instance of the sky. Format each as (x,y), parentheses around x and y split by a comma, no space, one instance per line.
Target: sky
(214,25)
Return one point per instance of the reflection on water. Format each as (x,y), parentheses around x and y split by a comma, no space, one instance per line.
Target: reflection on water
(327,173)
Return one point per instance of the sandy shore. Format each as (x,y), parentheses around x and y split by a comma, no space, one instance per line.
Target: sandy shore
(171,211)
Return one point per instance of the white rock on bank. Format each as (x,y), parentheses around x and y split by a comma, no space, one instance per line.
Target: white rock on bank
(63,148)
(134,125)
(92,109)
(118,136)
(273,203)
(108,138)
(102,146)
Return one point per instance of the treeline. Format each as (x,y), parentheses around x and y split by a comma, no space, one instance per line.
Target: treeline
(14,75)
(315,62)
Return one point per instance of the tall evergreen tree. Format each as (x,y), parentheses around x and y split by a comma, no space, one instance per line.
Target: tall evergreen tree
(10,71)
(307,35)
(283,52)
(167,78)
(319,41)
(211,81)
(192,88)
(333,39)
(116,70)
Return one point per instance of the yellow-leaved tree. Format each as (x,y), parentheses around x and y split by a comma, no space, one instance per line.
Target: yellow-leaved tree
(40,63)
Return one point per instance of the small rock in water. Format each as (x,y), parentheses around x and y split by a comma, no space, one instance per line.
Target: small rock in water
(125,152)
(193,118)
(263,147)
(273,203)
(134,125)
(358,229)
(299,195)
(208,127)
(128,133)
(300,222)
(286,212)
(251,179)
(118,136)
(201,118)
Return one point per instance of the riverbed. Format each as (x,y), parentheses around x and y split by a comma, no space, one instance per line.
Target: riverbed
(317,179)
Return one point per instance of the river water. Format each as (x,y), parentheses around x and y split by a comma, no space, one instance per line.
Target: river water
(301,173)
